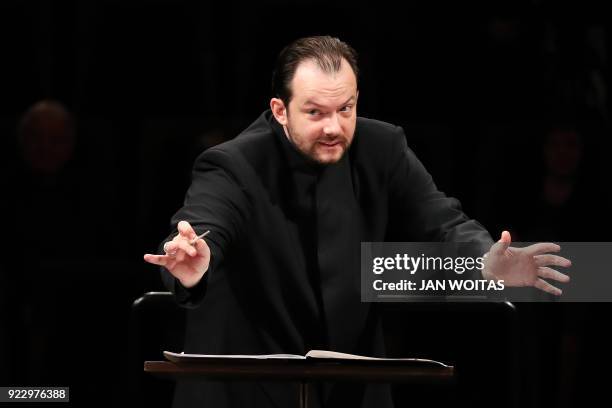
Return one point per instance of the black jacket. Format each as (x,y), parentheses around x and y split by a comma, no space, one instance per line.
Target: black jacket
(285,241)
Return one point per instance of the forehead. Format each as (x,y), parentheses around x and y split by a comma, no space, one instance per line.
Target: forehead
(311,83)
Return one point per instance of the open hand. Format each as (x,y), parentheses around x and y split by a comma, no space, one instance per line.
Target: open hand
(527,266)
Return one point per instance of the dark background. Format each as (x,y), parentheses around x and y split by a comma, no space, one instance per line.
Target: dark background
(506,103)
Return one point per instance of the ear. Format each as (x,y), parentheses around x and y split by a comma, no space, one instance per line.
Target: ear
(279,110)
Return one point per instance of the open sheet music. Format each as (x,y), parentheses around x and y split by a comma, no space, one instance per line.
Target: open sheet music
(312,354)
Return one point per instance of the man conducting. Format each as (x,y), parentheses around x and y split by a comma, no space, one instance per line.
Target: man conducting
(287,203)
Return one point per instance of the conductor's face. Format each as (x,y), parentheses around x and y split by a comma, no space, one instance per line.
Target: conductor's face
(321,116)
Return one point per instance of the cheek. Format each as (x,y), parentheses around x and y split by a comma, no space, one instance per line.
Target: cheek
(311,132)
(349,129)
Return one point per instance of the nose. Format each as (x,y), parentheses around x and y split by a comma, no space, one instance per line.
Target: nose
(332,126)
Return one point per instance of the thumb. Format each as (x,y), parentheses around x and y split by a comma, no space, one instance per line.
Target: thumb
(505,240)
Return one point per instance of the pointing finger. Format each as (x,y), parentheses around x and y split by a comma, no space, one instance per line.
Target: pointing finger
(542,248)
(161,260)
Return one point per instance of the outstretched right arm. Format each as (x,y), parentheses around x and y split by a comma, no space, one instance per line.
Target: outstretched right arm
(215,201)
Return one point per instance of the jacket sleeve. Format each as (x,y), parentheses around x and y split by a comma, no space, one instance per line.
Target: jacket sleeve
(216,202)
(418,210)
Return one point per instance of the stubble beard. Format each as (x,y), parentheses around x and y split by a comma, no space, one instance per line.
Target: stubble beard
(310,152)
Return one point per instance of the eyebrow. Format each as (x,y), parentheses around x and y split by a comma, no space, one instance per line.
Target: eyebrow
(309,102)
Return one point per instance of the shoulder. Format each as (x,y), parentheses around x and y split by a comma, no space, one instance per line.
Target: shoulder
(369,126)
(251,151)
(378,141)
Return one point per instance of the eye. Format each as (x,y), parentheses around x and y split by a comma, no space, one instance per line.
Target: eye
(313,112)
(346,108)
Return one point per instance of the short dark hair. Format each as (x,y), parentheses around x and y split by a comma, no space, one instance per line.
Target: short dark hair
(326,51)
